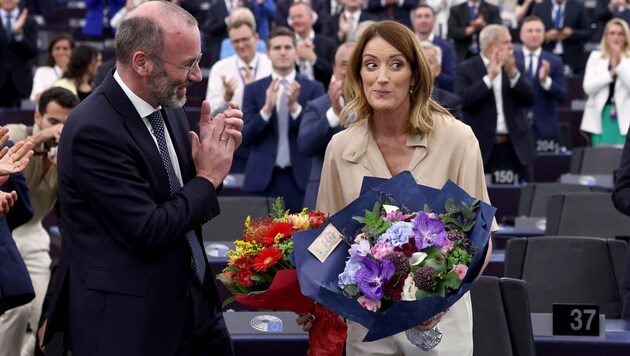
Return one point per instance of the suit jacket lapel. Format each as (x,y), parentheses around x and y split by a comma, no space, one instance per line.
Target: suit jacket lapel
(138,131)
(175,130)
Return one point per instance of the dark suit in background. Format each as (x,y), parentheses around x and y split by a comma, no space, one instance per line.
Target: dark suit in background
(324,49)
(321,8)
(480,112)
(315,133)
(576,18)
(124,284)
(446,79)
(621,193)
(215,29)
(262,177)
(396,12)
(449,101)
(542,115)
(331,26)
(460,18)
(16,60)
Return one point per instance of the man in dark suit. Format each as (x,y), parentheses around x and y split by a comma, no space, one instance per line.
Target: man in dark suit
(466,21)
(315,53)
(320,7)
(135,185)
(448,100)
(272,110)
(568,29)
(621,192)
(18,45)
(392,10)
(321,121)
(215,26)
(606,10)
(494,94)
(545,72)
(342,26)
(423,23)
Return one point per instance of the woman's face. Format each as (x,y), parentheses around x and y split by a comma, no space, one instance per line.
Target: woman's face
(61,52)
(615,37)
(386,75)
(96,62)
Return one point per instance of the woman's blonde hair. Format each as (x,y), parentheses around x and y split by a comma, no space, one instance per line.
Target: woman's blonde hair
(422,106)
(626,32)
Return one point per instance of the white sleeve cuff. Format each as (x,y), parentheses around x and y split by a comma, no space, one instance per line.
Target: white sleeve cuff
(263,116)
(333,119)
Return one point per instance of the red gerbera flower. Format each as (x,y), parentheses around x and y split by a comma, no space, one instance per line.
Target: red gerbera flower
(282,228)
(316,218)
(267,258)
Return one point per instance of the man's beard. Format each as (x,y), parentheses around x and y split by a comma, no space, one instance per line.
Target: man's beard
(164,88)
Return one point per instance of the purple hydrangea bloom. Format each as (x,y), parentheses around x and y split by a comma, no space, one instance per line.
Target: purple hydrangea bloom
(371,277)
(359,249)
(398,234)
(347,277)
(429,230)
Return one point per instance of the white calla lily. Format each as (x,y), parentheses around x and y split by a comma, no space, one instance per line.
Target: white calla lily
(417,257)
(390,208)
(409,289)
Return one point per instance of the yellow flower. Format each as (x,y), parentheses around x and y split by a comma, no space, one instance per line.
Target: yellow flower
(300,221)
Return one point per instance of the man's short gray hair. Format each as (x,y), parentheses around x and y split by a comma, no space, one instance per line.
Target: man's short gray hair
(435,48)
(489,34)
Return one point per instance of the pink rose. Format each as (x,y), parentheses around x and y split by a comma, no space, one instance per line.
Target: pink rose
(461,271)
(380,250)
(448,246)
(369,304)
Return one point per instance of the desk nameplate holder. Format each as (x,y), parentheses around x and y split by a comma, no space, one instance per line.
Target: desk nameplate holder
(527,224)
(542,325)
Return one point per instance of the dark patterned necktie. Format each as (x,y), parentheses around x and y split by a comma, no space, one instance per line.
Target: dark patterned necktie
(9,28)
(198,256)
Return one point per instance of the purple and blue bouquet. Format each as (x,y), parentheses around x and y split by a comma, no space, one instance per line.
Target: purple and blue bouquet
(408,252)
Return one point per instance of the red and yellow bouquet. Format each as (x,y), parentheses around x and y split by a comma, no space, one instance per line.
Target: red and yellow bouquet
(261,274)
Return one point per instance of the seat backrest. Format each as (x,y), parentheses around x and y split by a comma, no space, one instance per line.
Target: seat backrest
(585,214)
(625,311)
(534,196)
(595,160)
(501,317)
(230,223)
(568,269)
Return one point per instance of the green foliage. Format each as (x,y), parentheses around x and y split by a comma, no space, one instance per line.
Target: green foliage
(277,209)
(373,222)
(458,256)
(352,290)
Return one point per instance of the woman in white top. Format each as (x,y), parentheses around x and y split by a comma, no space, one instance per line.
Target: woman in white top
(59,52)
(607,85)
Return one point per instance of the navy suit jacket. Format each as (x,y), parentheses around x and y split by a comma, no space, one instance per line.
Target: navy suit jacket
(449,101)
(124,275)
(446,79)
(16,56)
(545,124)
(575,17)
(392,12)
(315,133)
(262,136)
(16,287)
(480,108)
(459,19)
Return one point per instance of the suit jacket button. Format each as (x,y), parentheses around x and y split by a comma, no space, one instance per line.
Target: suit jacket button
(187,294)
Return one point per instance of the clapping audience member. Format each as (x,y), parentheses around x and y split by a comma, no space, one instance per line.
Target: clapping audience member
(607,86)
(495,94)
(243,14)
(544,71)
(32,239)
(567,30)
(342,26)
(466,21)
(446,99)
(605,10)
(135,185)
(275,167)
(524,8)
(216,24)
(56,63)
(321,121)
(315,53)
(82,68)
(265,11)
(120,14)
(229,76)
(18,46)
(442,9)
(423,23)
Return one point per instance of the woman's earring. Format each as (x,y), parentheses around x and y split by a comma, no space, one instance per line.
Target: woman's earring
(410,90)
